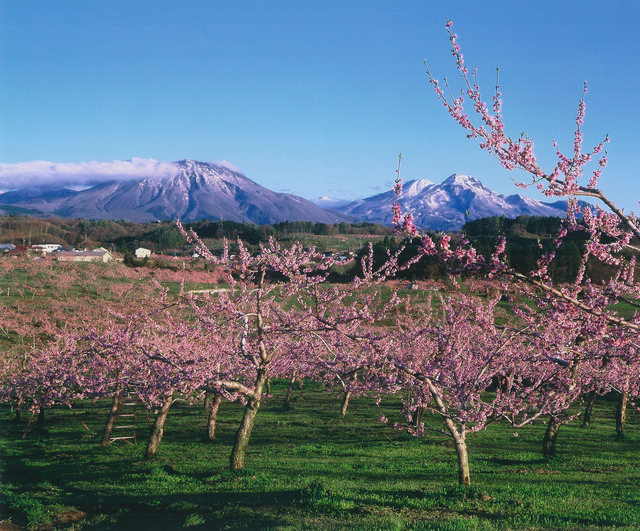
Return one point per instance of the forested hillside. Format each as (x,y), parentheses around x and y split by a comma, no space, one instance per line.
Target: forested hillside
(527,238)
(125,235)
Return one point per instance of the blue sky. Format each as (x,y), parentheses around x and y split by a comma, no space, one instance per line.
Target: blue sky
(312,97)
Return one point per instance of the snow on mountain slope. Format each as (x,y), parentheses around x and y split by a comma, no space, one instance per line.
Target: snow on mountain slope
(444,206)
(198,190)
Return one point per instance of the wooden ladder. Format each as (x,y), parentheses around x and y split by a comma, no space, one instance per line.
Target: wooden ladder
(127,412)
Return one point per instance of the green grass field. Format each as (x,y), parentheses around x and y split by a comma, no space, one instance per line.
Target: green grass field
(308,468)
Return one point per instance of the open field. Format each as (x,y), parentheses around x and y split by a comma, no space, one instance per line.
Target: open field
(309,468)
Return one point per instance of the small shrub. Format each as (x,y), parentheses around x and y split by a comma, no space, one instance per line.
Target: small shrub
(193,520)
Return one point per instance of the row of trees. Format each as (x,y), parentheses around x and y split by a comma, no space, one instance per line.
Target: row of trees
(122,234)
(279,318)
(458,355)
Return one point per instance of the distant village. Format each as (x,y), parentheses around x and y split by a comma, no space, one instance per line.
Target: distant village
(66,254)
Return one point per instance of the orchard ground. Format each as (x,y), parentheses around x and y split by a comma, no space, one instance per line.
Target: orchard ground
(308,467)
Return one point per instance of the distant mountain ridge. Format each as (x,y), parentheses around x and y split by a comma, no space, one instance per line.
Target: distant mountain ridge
(201,190)
(444,206)
(198,190)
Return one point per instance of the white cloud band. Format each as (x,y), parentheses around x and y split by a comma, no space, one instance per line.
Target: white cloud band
(42,174)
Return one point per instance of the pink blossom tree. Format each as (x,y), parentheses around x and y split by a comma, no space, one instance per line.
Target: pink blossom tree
(282,317)
(608,229)
(451,356)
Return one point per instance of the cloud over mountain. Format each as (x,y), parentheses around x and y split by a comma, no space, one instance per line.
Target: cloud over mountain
(186,190)
(49,175)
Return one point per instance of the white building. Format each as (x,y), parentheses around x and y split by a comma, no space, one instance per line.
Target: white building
(46,247)
(84,256)
(141,252)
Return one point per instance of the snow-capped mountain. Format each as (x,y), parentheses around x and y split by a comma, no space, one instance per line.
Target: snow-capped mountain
(199,190)
(330,203)
(444,206)
(196,190)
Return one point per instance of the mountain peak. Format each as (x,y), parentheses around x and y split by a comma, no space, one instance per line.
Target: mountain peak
(195,190)
(445,206)
(459,179)
(192,164)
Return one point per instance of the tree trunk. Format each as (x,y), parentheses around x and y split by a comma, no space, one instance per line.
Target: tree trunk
(236,460)
(550,438)
(588,410)
(287,398)
(158,428)
(28,426)
(213,415)
(458,434)
(111,420)
(621,414)
(345,403)
(418,414)
(464,479)
(246,425)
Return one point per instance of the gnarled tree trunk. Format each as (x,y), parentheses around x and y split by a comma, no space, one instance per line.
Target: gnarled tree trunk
(214,404)
(621,414)
(157,430)
(111,420)
(248,420)
(550,438)
(345,403)
(588,410)
(457,432)
(459,437)
(287,398)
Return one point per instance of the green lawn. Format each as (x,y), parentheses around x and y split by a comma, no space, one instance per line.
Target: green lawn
(307,468)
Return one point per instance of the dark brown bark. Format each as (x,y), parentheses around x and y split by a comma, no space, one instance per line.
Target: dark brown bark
(550,438)
(345,403)
(621,414)
(157,431)
(588,410)
(111,420)
(213,415)
(246,425)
